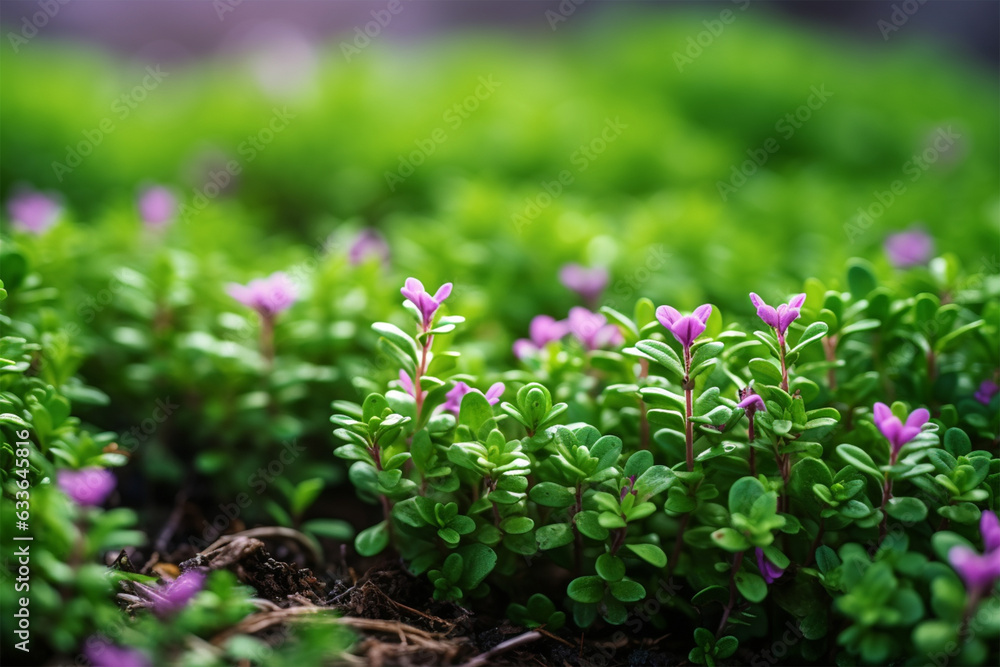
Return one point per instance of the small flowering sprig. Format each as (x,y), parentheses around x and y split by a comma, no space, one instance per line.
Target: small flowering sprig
(33,212)
(88,486)
(369,244)
(978,571)
(269,297)
(786,420)
(588,283)
(157,206)
(542,331)
(751,403)
(178,593)
(423,306)
(453,399)
(685,329)
(899,434)
(592,330)
(909,248)
(779,319)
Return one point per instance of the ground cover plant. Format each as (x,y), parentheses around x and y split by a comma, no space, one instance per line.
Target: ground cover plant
(663,416)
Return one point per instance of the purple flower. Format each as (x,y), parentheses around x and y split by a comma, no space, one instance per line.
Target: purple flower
(895,431)
(588,283)
(102,653)
(751,402)
(175,595)
(779,318)
(368,244)
(685,328)
(268,296)
(768,570)
(979,571)
(543,330)
(912,247)
(989,526)
(628,486)
(425,303)
(157,206)
(454,397)
(592,329)
(87,486)
(987,390)
(32,211)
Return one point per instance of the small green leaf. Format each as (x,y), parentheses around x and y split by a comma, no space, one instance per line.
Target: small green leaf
(549,494)
(610,568)
(751,586)
(627,590)
(588,590)
(650,553)
(859,458)
(334,529)
(909,510)
(515,525)
(554,535)
(371,541)
(764,371)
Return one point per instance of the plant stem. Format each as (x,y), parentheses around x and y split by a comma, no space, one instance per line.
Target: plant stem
(577,537)
(830,349)
(418,395)
(784,367)
(737,561)
(267,339)
(689,410)
(886,494)
(643,420)
(816,542)
(676,553)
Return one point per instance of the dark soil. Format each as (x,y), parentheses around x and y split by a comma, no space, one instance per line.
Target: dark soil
(393,614)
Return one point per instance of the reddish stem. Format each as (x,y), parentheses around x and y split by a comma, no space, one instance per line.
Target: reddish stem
(737,562)
(418,395)
(784,368)
(689,408)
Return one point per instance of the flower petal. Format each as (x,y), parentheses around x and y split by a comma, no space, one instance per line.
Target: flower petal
(703,312)
(918,418)
(798,300)
(443,292)
(494,393)
(989,526)
(756,300)
(667,315)
(769,315)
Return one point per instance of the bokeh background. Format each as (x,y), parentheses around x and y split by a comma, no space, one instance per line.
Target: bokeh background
(697,151)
